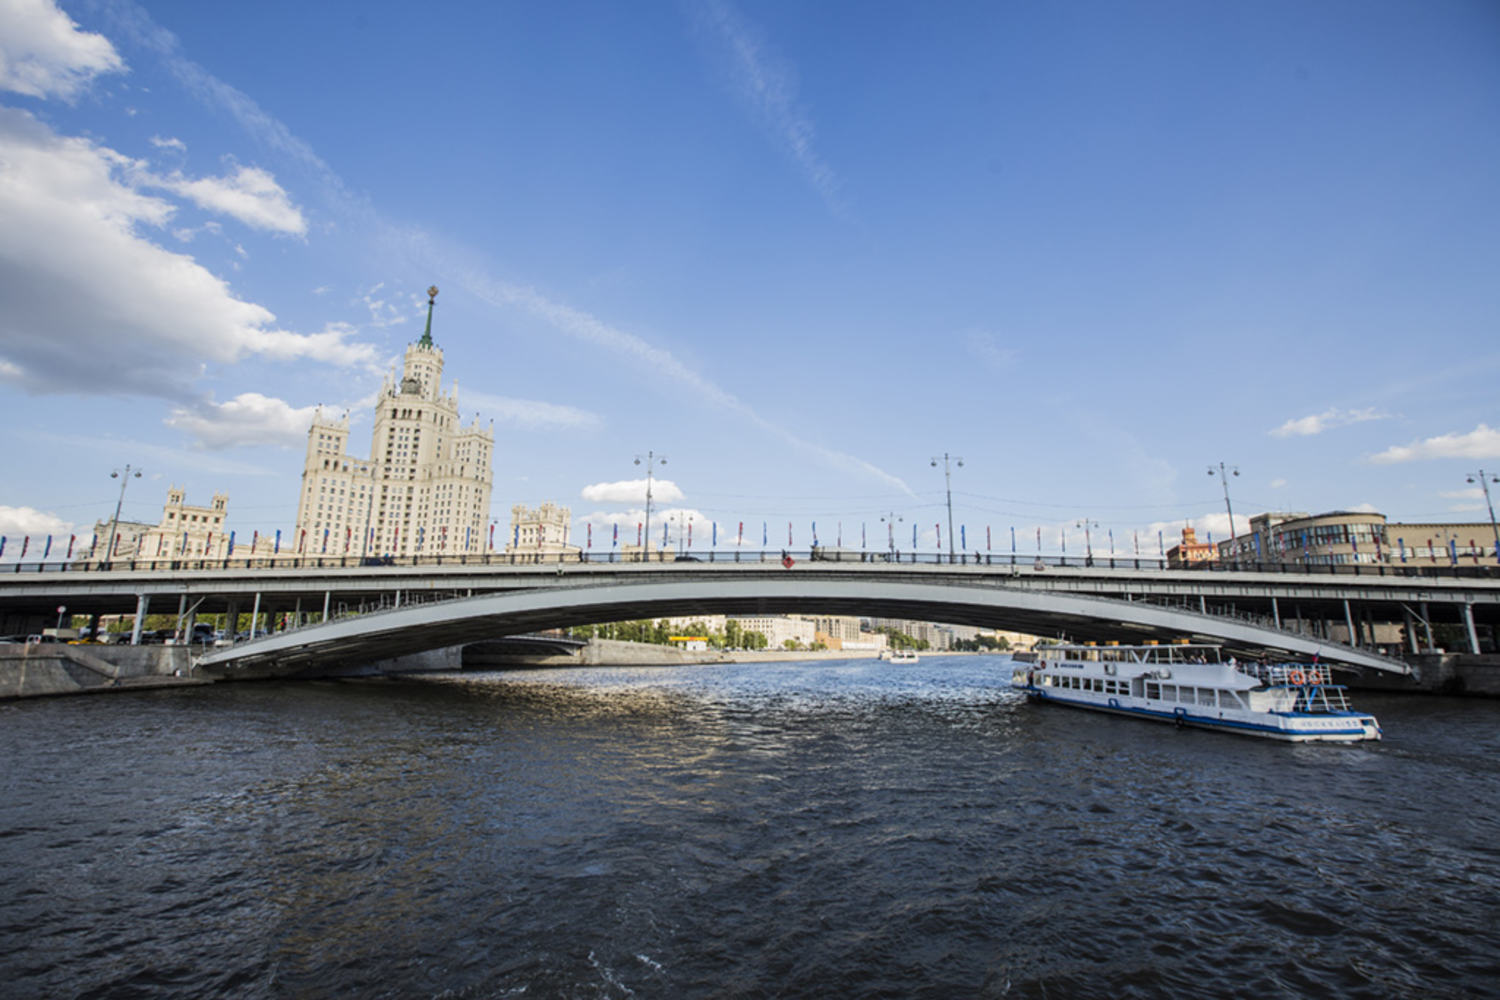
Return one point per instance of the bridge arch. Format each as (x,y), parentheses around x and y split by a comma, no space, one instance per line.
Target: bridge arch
(402,631)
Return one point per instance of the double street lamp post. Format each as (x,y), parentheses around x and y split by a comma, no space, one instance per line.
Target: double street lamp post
(1224,479)
(1484,479)
(651,460)
(114,525)
(948,462)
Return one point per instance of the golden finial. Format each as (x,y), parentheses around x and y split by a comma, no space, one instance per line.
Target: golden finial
(431,293)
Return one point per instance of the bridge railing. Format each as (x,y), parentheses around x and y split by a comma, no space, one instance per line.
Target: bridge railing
(1132,563)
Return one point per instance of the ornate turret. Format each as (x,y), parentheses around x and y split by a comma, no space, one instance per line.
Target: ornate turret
(426,340)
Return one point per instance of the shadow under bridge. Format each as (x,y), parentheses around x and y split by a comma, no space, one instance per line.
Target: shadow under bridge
(387,634)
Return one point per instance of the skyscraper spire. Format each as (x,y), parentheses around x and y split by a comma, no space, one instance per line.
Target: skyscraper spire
(426,340)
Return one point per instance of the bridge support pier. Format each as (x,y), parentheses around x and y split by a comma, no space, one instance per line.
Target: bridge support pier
(142,602)
(1427,623)
(1276,612)
(1349,624)
(327,597)
(1411,629)
(255,614)
(1469,626)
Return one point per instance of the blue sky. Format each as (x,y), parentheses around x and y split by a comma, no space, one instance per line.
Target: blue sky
(801,249)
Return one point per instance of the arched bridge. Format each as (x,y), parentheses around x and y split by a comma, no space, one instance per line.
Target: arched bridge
(980,602)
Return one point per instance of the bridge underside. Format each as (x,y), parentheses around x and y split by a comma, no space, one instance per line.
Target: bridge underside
(388,634)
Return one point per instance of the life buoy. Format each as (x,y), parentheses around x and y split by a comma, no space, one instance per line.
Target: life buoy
(1296,677)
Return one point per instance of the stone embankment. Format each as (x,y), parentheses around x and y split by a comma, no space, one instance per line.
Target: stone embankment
(31,670)
(1476,676)
(615,653)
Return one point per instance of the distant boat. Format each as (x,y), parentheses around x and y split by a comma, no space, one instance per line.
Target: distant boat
(1190,685)
(899,655)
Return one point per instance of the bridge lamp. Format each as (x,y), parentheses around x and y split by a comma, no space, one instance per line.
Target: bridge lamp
(114,526)
(946,459)
(1224,479)
(890,523)
(1484,479)
(651,460)
(1088,542)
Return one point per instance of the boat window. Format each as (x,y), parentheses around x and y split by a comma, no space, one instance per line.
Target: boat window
(1153,689)
(1208,696)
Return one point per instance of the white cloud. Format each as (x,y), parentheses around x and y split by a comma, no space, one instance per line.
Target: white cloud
(248,419)
(1277,483)
(250,195)
(382,313)
(43,54)
(90,304)
(1363,508)
(632,491)
(1481,442)
(18,522)
(530,413)
(1317,423)
(1472,493)
(169,143)
(985,347)
(769,86)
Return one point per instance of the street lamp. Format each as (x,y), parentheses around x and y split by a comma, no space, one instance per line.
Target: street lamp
(652,459)
(1484,479)
(1224,478)
(890,525)
(1088,542)
(114,526)
(948,483)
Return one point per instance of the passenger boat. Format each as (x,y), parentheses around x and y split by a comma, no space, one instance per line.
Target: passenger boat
(1193,685)
(899,655)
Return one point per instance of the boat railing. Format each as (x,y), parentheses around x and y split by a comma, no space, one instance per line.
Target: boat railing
(1290,674)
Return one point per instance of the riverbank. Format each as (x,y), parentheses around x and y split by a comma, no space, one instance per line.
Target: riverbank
(616,653)
(38,670)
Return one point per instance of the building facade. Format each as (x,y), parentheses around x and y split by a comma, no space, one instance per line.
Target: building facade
(1190,551)
(545,529)
(185,531)
(424,490)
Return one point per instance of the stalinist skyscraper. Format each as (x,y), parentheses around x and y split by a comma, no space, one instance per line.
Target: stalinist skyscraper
(425,489)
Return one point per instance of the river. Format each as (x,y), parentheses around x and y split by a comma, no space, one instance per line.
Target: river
(851,829)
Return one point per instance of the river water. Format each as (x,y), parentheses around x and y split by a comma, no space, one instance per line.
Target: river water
(851,829)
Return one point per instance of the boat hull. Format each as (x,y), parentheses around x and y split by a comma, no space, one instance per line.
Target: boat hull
(1288,727)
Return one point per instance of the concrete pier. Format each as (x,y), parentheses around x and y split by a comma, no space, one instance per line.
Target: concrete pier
(32,670)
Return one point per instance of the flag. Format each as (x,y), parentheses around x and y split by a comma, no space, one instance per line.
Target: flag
(1452,550)
(638,543)
(302,542)
(395,537)
(1136,537)
(1063,535)
(938,530)
(714,540)
(1402,543)
(492,534)
(1161,544)
(254,538)
(789,534)
(515,541)
(161,541)
(762,534)
(2,545)
(1111,541)
(325,541)
(25,544)
(1038,539)
(690,533)
(183,552)
(914,538)
(48,550)
(861,534)
(963,538)
(590,528)
(815,534)
(276,550)
(71,540)
(838,538)
(348,537)
(664,526)
(615,540)
(231,543)
(206,543)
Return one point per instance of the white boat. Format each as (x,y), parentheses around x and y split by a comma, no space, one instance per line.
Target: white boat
(899,655)
(1192,685)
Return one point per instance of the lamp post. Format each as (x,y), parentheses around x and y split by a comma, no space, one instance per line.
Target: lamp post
(651,460)
(1224,479)
(1088,542)
(1484,479)
(890,529)
(114,526)
(948,463)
